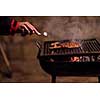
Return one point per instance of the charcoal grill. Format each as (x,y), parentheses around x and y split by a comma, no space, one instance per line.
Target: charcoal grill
(57,62)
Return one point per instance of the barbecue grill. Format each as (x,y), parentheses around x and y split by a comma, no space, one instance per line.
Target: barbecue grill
(59,61)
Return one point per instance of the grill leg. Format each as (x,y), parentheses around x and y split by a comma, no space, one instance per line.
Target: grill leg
(53,79)
(98,79)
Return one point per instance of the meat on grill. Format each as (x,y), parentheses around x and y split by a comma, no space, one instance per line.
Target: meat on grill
(65,45)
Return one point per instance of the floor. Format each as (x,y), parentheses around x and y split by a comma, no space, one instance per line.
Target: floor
(31,72)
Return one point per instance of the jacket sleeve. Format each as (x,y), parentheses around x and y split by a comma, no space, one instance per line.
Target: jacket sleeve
(8,26)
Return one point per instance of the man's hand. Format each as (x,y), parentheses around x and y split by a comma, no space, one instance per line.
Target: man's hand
(27,28)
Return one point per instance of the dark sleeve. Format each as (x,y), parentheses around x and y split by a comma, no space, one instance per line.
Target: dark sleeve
(7,25)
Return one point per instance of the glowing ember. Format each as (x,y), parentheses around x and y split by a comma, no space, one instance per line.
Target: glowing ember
(75,59)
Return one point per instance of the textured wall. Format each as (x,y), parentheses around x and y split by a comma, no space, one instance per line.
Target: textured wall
(22,52)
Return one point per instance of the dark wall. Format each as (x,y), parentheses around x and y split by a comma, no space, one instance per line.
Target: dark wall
(67,27)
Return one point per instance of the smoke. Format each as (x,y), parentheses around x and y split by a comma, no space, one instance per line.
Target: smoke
(73,27)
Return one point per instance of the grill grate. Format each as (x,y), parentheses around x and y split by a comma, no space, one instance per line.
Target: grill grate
(87,47)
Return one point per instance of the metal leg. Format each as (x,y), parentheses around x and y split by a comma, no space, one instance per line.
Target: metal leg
(53,78)
(98,79)
(7,69)
(4,56)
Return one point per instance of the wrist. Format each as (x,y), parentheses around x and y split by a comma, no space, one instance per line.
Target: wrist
(14,26)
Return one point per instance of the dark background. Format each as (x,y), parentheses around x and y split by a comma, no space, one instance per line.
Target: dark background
(22,52)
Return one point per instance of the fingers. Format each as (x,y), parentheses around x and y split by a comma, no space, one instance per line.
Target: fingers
(25,27)
(29,28)
(32,28)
